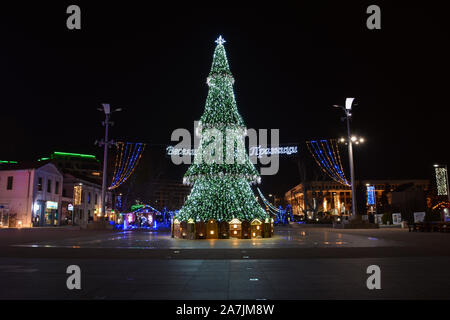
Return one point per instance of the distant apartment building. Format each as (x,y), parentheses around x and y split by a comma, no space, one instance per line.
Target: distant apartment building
(30,194)
(168,194)
(81,203)
(335,198)
(86,165)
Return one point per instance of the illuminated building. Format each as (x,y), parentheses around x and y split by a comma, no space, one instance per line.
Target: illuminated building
(30,194)
(77,163)
(81,201)
(336,199)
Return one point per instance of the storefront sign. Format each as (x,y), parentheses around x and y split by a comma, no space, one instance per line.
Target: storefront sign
(370,195)
(51,205)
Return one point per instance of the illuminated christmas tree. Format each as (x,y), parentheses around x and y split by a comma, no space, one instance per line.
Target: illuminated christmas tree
(221,175)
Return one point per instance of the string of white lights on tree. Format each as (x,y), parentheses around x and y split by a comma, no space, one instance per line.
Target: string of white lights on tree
(127,157)
(326,154)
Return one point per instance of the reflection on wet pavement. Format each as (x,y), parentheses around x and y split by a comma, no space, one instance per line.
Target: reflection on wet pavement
(284,238)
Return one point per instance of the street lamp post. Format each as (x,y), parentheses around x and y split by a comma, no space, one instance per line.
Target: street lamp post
(106,144)
(347,109)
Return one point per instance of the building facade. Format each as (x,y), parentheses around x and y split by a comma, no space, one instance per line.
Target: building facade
(81,195)
(81,200)
(168,194)
(30,195)
(86,165)
(336,199)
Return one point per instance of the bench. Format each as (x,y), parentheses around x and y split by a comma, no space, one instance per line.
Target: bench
(429,226)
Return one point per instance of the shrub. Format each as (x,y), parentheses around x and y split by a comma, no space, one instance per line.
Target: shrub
(387,216)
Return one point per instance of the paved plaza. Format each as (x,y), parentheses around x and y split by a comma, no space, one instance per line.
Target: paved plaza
(297,263)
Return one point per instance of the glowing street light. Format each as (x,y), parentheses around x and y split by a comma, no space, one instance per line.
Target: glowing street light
(354,139)
(347,110)
(107,110)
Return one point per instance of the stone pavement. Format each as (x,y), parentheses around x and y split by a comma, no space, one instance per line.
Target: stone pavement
(298,263)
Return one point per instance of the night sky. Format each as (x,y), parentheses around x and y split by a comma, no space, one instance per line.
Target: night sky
(291,64)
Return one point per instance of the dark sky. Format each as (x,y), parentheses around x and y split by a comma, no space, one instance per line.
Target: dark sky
(291,64)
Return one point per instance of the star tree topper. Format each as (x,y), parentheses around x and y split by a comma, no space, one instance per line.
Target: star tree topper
(220,40)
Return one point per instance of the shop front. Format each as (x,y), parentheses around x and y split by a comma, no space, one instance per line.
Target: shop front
(45,213)
(4,216)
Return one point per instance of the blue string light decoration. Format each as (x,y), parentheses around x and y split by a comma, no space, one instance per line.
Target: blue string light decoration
(326,154)
(127,158)
(371,195)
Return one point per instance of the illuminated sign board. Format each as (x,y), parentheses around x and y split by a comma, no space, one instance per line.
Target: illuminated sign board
(70,207)
(256,151)
(441,181)
(371,195)
(51,205)
(259,151)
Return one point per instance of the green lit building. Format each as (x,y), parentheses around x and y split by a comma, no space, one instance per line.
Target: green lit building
(77,163)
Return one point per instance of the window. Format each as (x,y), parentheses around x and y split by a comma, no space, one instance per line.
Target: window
(64,193)
(89,197)
(39,185)
(49,185)
(56,187)
(96,198)
(9,184)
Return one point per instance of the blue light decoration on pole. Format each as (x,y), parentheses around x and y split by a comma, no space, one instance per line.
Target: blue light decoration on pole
(371,195)
(328,158)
